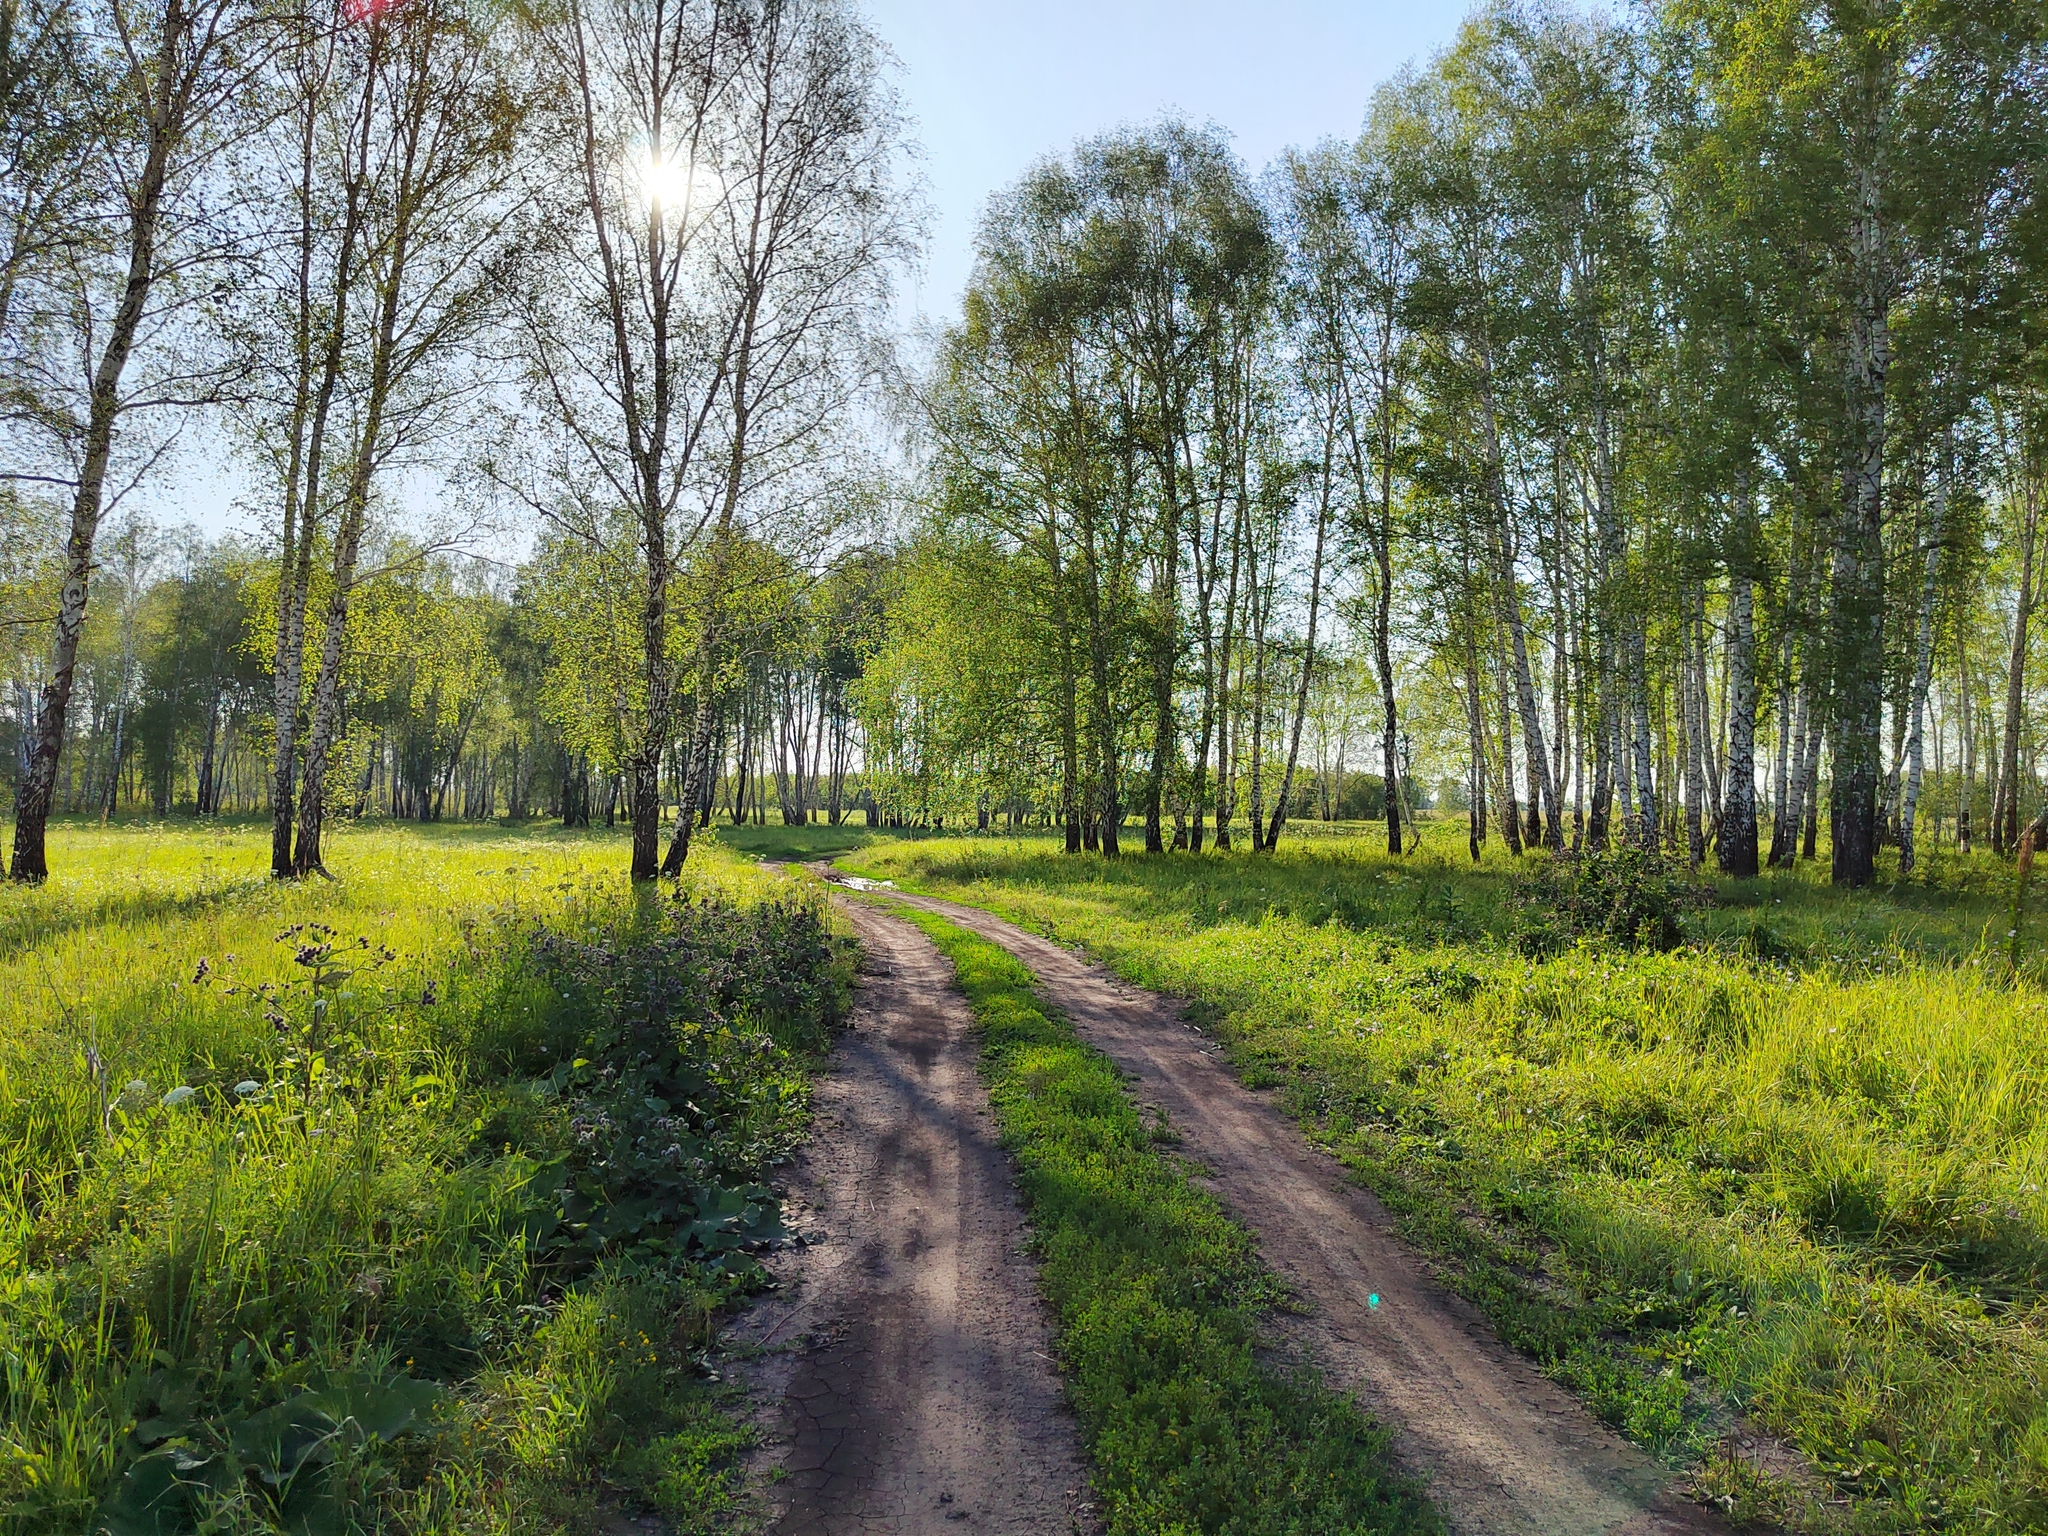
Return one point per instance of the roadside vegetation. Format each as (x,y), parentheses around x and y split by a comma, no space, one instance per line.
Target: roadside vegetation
(399,1202)
(1790,1170)
(1157,1296)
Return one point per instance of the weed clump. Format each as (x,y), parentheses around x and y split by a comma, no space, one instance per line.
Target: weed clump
(1633,898)
(678,1087)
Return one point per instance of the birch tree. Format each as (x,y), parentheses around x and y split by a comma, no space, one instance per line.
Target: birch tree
(171,81)
(433,149)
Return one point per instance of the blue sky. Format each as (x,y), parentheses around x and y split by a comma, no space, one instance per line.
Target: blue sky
(993,87)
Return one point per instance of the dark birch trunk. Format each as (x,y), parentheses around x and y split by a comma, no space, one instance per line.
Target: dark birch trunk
(1308,655)
(1647,821)
(1691,728)
(1923,668)
(1736,841)
(1966,792)
(1504,775)
(1857,685)
(2005,810)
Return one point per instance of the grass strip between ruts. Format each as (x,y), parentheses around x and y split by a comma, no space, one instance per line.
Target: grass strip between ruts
(1156,1295)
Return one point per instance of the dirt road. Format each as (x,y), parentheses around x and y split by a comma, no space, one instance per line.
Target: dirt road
(905,1364)
(1505,1450)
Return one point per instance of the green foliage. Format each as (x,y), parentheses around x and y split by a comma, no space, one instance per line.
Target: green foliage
(687,1474)
(679,1087)
(287,1465)
(1631,897)
(291,1233)
(197,667)
(1158,1296)
(1690,1184)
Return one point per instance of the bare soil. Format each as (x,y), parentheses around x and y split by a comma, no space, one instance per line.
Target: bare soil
(904,1366)
(1504,1450)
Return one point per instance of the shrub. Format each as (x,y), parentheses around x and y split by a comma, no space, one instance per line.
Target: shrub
(679,1085)
(1631,897)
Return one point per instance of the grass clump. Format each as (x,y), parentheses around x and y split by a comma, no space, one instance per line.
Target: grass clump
(1631,897)
(1801,1181)
(403,1203)
(1157,1297)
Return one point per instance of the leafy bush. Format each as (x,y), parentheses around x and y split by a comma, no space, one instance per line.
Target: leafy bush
(1631,897)
(680,1086)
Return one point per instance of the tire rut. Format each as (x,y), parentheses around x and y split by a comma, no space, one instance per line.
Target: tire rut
(1504,1450)
(902,1370)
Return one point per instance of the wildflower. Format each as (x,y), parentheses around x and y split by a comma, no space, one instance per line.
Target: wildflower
(180,1095)
(246,1087)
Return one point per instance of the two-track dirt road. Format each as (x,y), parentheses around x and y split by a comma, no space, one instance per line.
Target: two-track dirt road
(1505,1450)
(905,1366)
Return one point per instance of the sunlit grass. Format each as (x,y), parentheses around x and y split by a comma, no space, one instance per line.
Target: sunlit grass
(1796,1168)
(797,844)
(259,1139)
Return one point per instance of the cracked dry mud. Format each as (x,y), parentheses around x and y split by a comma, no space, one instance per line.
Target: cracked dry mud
(1504,1450)
(903,1370)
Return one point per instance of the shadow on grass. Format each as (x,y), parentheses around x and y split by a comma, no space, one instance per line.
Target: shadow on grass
(25,927)
(796,844)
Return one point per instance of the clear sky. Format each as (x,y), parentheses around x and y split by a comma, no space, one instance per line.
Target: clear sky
(995,86)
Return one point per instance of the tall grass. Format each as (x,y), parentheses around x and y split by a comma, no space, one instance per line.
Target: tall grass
(1795,1169)
(282,1234)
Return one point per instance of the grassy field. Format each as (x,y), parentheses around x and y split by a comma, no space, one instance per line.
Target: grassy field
(1792,1170)
(325,1198)
(331,1206)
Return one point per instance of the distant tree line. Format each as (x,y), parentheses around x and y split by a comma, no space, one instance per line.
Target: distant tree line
(458,700)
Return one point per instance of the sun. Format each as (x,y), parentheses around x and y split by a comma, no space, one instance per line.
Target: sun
(669,183)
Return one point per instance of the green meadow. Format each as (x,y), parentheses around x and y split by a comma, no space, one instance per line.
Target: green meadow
(403,1201)
(1780,1185)
(411,1199)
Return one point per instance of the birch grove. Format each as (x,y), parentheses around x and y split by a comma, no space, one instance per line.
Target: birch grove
(1634,436)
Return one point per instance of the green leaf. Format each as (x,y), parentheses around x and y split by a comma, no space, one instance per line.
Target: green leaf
(154,1496)
(383,1410)
(152,1432)
(280,1440)
(310,1508)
